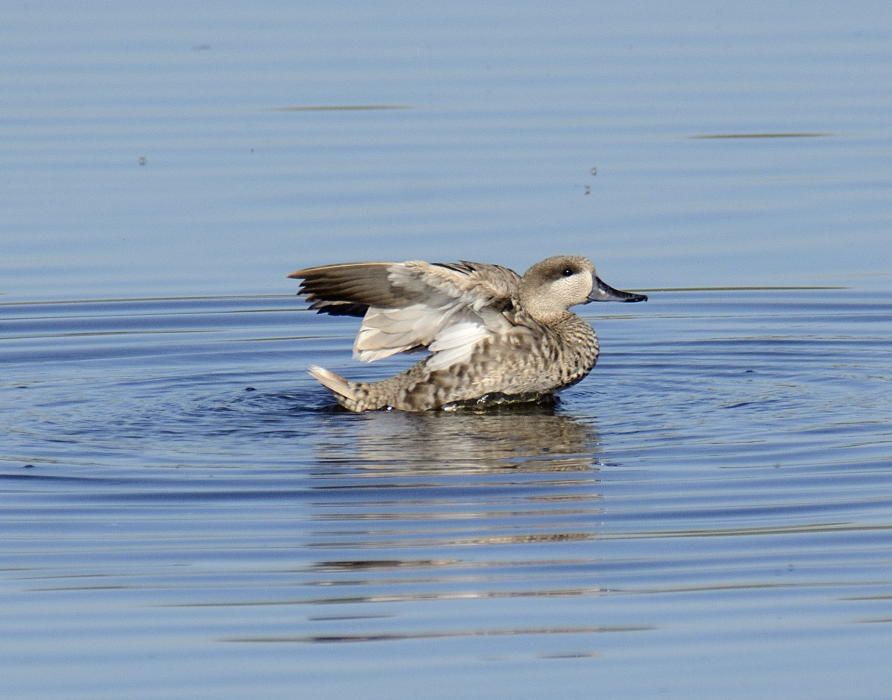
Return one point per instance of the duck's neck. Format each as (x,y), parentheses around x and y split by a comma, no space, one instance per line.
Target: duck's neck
(580,348)
(549,316)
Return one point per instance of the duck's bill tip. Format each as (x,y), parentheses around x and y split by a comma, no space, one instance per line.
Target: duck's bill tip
(604,292)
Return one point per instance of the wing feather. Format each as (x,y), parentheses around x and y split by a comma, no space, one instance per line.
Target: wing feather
(456,342)
(446,307)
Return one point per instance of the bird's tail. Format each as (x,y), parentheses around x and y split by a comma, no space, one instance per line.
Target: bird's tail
(339,386)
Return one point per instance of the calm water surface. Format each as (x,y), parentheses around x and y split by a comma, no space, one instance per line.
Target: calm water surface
(184,513)
(184,509)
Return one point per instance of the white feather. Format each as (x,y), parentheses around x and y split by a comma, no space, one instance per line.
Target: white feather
(456,342)
(446,311)
(385,332)
(333,381)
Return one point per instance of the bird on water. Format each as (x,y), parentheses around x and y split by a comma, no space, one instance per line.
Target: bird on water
(490,332)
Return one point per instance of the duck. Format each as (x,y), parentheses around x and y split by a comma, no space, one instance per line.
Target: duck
(491,334)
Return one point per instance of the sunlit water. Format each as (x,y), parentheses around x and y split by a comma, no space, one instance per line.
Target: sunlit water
(184,509)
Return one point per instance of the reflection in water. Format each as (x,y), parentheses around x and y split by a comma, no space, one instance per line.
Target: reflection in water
(505,498)
(487,632)
(766,135)
(533,438)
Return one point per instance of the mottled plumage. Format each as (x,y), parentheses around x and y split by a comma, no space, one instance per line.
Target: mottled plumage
(489,330)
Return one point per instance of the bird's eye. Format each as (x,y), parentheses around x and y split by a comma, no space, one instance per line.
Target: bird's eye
(567,272)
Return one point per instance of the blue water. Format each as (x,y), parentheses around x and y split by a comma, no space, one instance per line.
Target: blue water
(157,150)
(184,513)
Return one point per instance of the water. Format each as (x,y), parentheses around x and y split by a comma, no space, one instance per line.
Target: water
(169,150)
(184,513)
(184,510)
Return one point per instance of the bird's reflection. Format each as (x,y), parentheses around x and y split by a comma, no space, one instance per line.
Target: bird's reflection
(529,438)
(458,507)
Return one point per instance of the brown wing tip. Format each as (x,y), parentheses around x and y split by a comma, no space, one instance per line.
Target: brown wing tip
(336,268)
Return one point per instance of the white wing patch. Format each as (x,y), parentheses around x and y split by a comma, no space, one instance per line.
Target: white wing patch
(446,311)
(456,342)
(385,332)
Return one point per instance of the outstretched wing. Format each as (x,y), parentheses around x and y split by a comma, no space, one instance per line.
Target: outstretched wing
(446,307)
